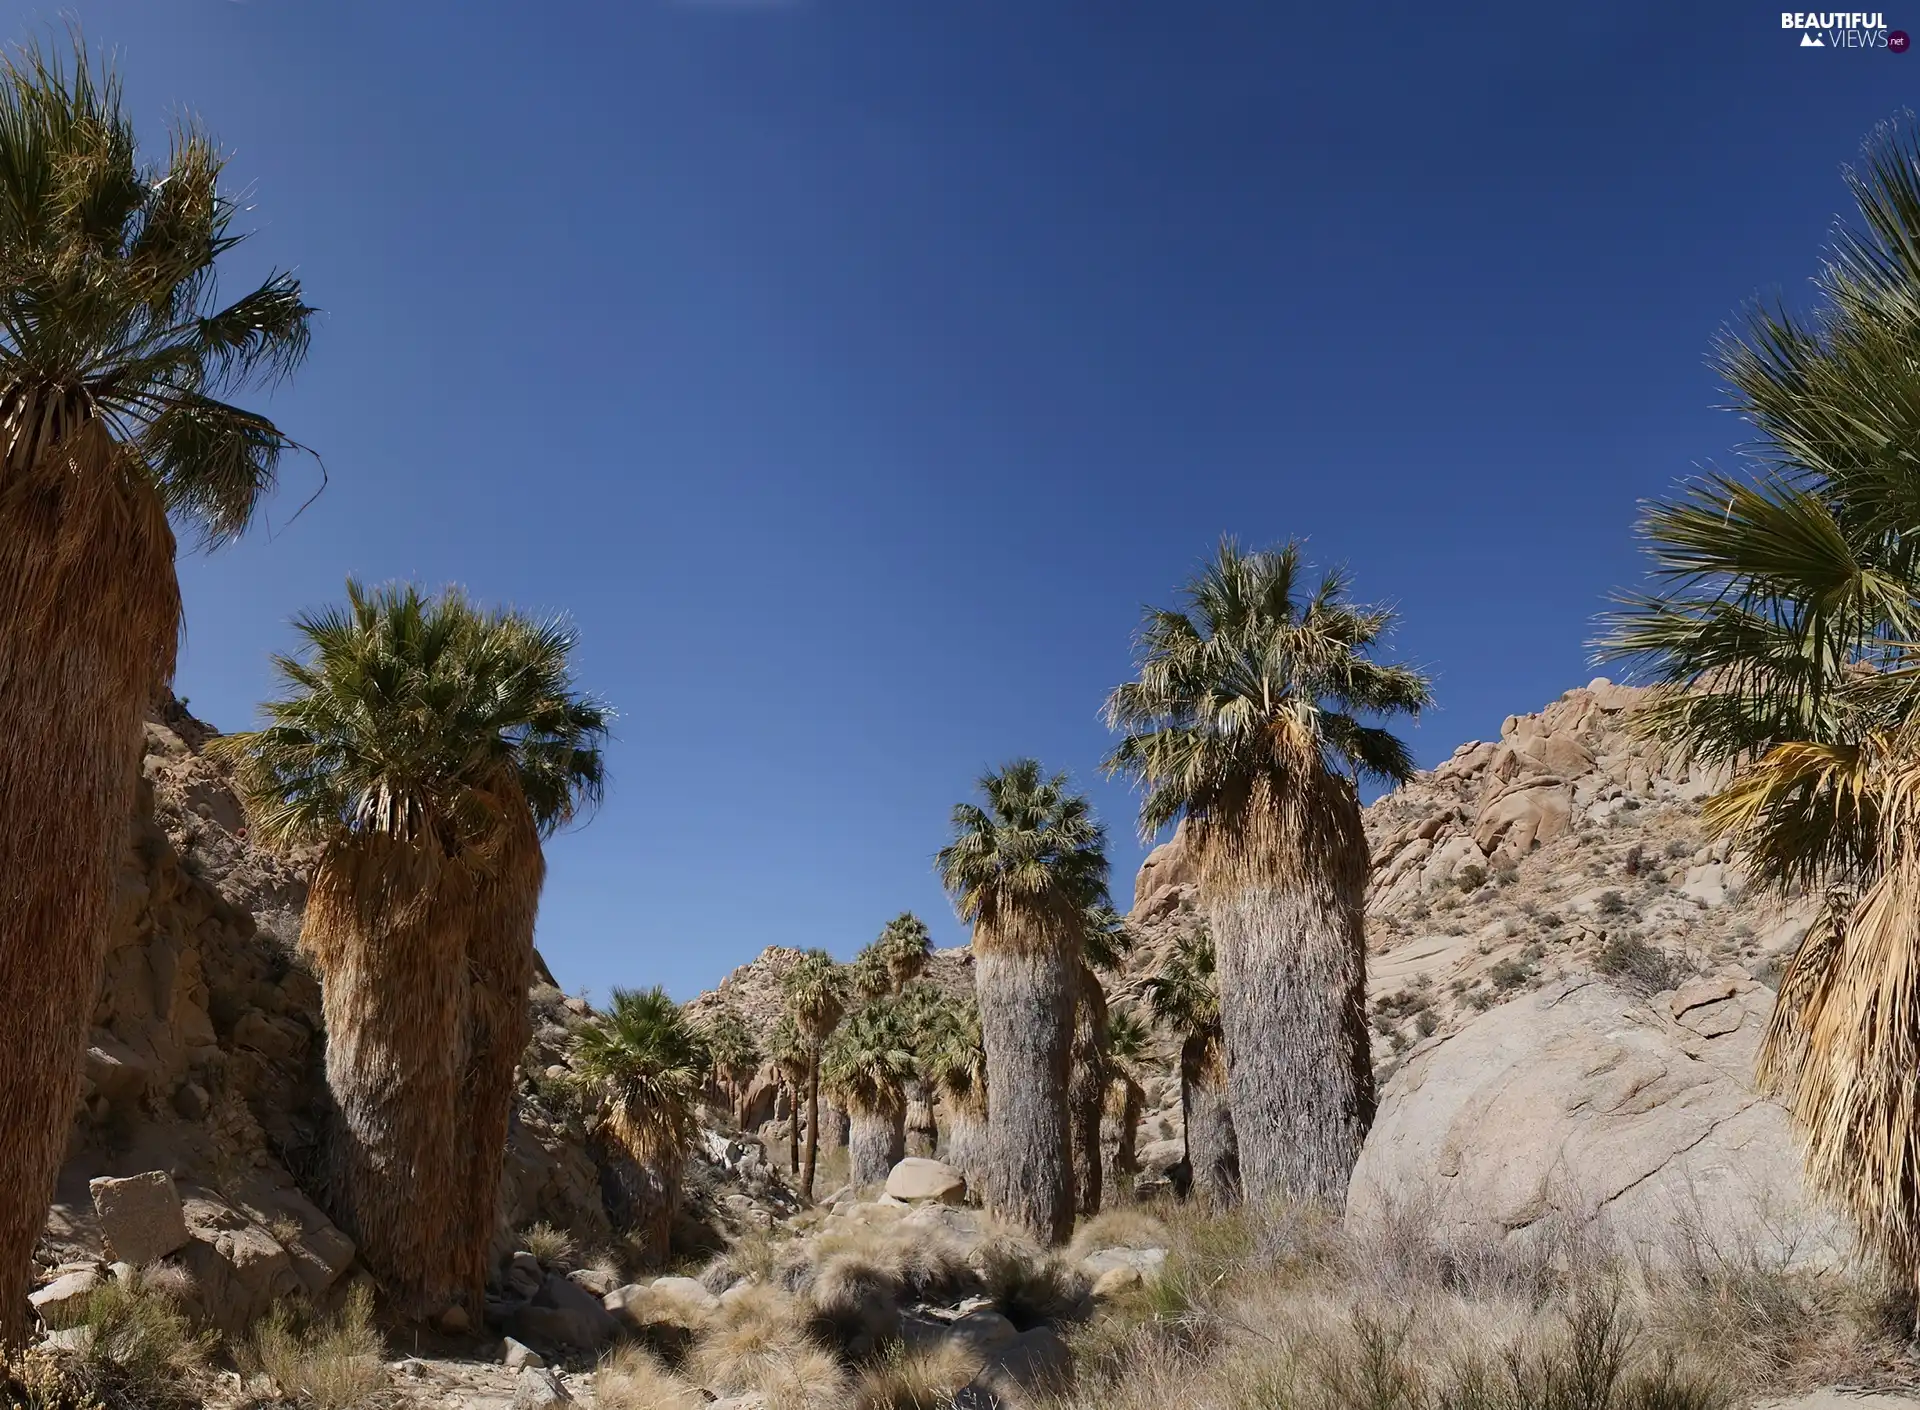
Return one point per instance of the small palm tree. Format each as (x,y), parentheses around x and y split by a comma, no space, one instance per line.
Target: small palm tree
(736,1057)
(1779,636)
(952,1054)
(815,991)
(426,747)
(1182,995)
(1129,1050)
(1250,717)
(904,947)
(645,1062)
(117,362)
(867,1064)
(1023,870)
(791,1060)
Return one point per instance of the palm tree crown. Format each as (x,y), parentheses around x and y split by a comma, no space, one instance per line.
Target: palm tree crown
(646,1059)
(1035,845)
(1183,993)
(729,1043)
(1249,681)
(904,947)
(413,716)
(815,989)
(870,1059)
(951,1053)
(1129,1039)
(110,313)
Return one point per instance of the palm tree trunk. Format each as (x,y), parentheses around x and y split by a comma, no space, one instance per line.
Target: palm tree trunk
(834,1123)
(1213,1152)
(1284,888)
(923,1133)
(501,964)
(388,926)
(1087,1091)
(793,1129)
(813,1126)
(966,1149)
(89,618)
(1027,993)
(1125,1163)
(876,1142)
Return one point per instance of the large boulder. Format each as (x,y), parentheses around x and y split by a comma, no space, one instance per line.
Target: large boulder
(1581,1107)
(918,1178)
(140,1216)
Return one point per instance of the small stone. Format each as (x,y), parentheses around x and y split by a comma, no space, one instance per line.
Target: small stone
(63,1302)
(536,1389)
(516,1354)
(454,1321)
(1115,1281)
(192,1101)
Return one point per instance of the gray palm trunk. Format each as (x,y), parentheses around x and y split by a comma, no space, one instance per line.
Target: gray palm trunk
(1123,1159)
(1087,1100)
(1026,999)
(1213,1153)
(1293,976)
(923,1133)
(966,1147)
(876,1141)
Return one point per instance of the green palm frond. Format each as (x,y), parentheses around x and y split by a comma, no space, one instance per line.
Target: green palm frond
(951,1051)
(408,716)
(647,1061)
(1183,995)
(1129,1039)
(904,947)
(1251,675)
(110,309)
(729,1044)
(1035,845)
(788,1050)
(815,991)
(1108,940)
(870,1059)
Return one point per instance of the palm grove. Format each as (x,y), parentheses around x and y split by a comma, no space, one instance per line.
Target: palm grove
(424,748)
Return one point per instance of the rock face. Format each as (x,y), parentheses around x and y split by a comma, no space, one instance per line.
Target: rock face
(1585,1108)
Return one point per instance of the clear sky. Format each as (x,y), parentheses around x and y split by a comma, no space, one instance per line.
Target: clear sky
(852,371)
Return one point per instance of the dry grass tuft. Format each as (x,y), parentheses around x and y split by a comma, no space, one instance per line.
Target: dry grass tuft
(553,1247)
(1128,1226)
(811,1380)
(915,1380)
(755,1338)
(334,1363)
(1029,1286)
(633,1380)
(138,1351)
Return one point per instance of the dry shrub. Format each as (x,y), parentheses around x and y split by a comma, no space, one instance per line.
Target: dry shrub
(330,1363)
(915,1380)
(139,1337)
(1128,1226)
(1032,1287)
(553,1247)
(633,1380)
(756,1337)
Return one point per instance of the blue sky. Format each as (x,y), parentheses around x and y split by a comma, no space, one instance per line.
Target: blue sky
(853,371)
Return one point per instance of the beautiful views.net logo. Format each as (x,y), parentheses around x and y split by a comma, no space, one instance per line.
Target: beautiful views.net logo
(1842,30)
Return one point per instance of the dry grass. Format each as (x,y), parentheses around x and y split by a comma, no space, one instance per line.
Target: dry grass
(137,1349)
(758,1337)
(553,1247)
(633,1380)
(332,1363)
(1257,1311)
(915,1380)
(1128,1226)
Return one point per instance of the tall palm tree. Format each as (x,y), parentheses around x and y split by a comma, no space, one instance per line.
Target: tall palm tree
(1779,635)
(952,1054)
(735,1056)
(645,1061)
(1129,1049)
(1183,996)
(920,1009)
(426,747)
(1105,945)
(791,1060)
(866,1066)
(1022,870)
(815,991)
(1250,717)
(117,359)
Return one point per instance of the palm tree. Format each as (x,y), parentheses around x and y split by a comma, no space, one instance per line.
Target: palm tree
(866,1066)
(645,1061)
(815,991)
(904,947)
(116,359)
(1023,870)
(920,1009)
(1105,945)
(736,1057)
(425,747)
(791,1060)
(1250,718)
(1184,997)
(953,1056)
(1779,635)
(1129,1047)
